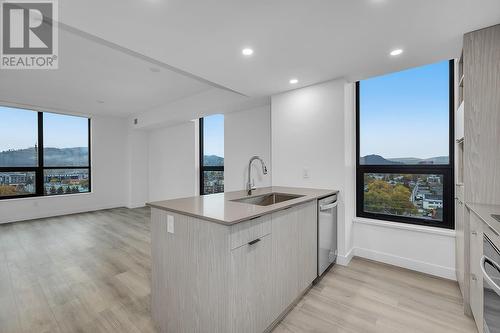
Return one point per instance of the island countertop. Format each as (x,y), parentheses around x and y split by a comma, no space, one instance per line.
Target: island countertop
(220,208)
(484,212)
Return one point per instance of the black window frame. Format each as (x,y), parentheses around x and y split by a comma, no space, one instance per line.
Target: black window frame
(39,170)
(203,167)
(446,170)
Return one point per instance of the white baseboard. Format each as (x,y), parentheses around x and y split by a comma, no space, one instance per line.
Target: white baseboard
(59,213)
(132,206)
(344,260)
(419,266)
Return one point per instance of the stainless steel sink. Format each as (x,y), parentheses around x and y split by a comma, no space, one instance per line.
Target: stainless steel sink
(268,199)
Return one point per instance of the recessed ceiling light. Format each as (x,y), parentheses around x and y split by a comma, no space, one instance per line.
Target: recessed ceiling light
(396,52)
(247,51)
(294,81)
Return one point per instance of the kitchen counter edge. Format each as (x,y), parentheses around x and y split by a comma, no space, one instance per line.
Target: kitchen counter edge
(321,193)
(484,212)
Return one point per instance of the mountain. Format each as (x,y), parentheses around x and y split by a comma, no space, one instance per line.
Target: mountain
(77,156)
(414,160)
(213,160)
(376,160)
(17,158)
(379,160)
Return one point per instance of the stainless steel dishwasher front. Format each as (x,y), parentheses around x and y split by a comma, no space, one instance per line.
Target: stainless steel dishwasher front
(327,233)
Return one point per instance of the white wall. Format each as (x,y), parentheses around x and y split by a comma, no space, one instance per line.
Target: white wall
(246,133)
(349,168)
(205,103)
(424,249)
(308,132)
(173,162)
(109,179)
(138,159)
(173,154)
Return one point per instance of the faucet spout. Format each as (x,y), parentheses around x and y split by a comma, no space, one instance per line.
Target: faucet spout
(250,186)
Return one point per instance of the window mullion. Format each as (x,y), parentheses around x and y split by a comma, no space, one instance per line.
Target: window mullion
(39,170)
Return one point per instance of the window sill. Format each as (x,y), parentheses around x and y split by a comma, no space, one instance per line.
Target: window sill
(405,226)
(45,197)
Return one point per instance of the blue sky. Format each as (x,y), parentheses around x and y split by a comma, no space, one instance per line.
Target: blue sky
(406,114)
(18,129)
(213,138)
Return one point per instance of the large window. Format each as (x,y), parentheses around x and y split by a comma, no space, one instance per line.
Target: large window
(405,146)
(43,153)
(212,154)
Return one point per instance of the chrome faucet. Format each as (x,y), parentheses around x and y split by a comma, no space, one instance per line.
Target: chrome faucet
(251,186)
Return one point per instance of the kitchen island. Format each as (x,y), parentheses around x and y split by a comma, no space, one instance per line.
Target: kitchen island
(231,262)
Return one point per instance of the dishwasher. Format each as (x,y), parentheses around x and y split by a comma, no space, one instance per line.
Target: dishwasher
(327,233)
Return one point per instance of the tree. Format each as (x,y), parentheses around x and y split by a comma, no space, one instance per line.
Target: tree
(53,190)
(383,197)
(60,190)
(400,197)
(6,190)
(84,183)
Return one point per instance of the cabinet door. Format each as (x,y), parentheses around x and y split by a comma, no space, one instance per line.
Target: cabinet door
(307,244)
(285,263)
(251,286)
(476,276)
(294,239)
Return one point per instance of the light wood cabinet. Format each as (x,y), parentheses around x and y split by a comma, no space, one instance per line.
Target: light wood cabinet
(461,223)
(285,263)
(251,270)
(477,155)
(460,243)
(476,276)
(209,277)
(482,116)
(294,233)
(307,244)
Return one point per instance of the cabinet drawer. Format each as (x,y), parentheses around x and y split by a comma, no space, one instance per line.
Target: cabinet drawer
(251,276)
(245,232)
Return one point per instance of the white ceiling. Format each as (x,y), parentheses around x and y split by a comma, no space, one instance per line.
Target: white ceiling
(90,72)
(314,40)
(107,48)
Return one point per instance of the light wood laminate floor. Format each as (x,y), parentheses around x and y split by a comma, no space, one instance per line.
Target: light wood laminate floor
(91,272)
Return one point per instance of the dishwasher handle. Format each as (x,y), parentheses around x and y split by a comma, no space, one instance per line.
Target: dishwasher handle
(493,285)
(327,207)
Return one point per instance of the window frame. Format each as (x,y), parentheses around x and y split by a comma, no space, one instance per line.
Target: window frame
(203,167)
(40,168)
(446,170)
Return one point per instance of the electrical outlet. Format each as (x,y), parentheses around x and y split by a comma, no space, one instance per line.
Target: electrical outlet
(305,173)
(170,224)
